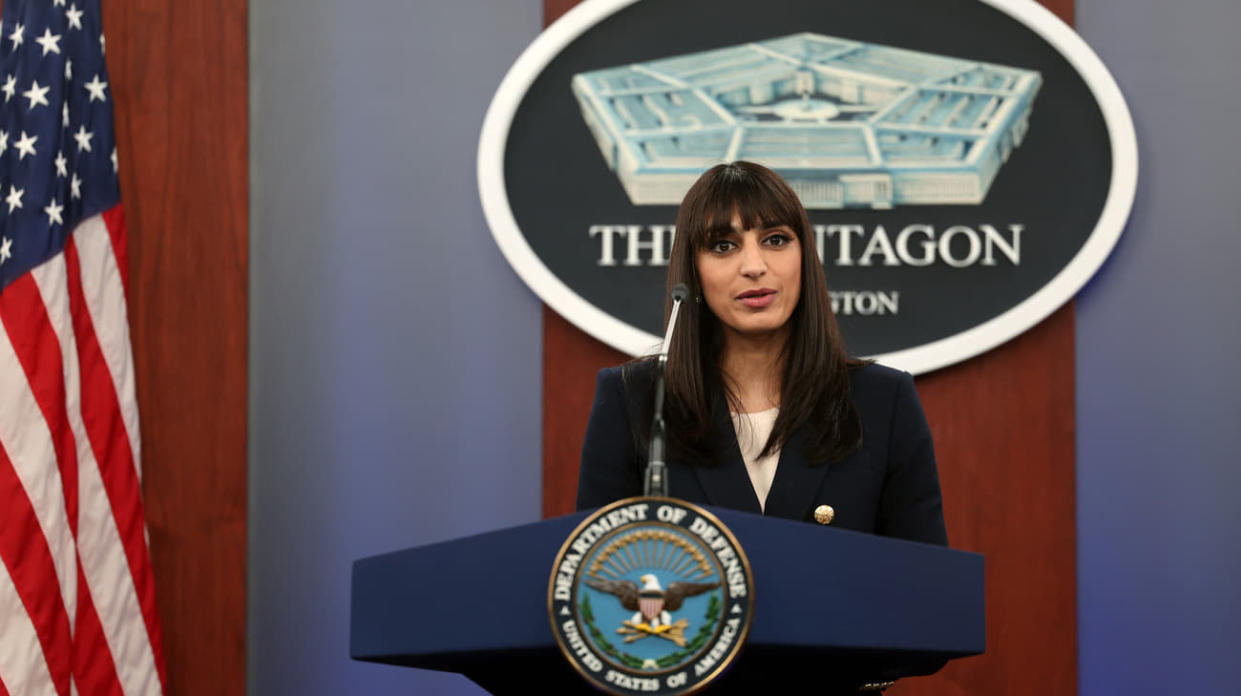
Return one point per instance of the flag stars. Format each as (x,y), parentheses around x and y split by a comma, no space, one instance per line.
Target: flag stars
(25,145)
(14,199)
(36,94)
(64,114)
(103,43)
(83,137)
(61,169)
(49,41)
(74,15)
(9,88)
(68,69)
(75,187)
(6,249)
(19,30)
(95,87)
(58,3)
(53,211)
(4,141)
(116,165)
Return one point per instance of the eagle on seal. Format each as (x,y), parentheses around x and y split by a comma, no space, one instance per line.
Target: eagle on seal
(650,602)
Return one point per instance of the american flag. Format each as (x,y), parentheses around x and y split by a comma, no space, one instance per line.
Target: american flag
(77,597)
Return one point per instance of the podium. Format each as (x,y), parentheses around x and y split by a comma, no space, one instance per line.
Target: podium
(833,608)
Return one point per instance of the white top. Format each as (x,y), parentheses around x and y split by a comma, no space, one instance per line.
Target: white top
(753,429)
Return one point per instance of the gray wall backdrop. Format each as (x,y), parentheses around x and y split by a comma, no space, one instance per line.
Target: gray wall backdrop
(395,358)
(395,392)
(1158,382)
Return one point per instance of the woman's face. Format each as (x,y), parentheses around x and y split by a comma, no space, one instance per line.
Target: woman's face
(751,279)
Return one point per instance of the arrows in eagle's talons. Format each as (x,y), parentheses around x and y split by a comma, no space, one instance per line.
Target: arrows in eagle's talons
(637,631)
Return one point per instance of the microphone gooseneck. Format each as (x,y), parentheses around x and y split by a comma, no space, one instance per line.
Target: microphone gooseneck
(656,469)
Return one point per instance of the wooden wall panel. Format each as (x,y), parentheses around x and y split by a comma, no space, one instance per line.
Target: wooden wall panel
(1004,426)
(570,361)
(179,76)
(1004,433)
(552,9)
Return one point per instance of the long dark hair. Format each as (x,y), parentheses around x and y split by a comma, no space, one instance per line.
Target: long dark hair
(814,391)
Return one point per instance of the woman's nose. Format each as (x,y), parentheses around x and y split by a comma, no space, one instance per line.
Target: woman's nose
(752,263)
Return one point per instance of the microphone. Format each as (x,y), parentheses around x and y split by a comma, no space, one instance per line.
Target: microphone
(656,469)
(679,294)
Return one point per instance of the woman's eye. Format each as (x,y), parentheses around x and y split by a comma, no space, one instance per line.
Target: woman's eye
(721,246)
(777,240)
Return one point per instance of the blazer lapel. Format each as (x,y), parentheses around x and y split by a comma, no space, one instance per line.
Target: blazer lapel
(797,483)
(726,481)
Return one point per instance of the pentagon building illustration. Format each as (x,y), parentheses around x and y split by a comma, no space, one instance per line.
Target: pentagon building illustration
(847,124)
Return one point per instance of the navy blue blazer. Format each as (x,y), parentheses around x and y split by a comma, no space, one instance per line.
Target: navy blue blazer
(887,486)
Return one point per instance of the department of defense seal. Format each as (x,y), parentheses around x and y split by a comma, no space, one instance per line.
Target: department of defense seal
(651,596)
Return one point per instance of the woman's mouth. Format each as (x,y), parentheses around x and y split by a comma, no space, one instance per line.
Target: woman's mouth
(757,298)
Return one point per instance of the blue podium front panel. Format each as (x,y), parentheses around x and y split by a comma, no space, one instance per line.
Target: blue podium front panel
(817,589)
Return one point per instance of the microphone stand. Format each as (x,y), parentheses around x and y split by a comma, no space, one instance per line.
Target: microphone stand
(656,469)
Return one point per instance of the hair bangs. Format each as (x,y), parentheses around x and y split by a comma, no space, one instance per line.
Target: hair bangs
(738,191)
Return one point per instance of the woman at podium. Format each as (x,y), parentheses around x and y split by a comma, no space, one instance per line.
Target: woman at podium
(765,411)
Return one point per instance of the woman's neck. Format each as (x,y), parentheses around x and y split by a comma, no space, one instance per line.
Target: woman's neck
(753,367)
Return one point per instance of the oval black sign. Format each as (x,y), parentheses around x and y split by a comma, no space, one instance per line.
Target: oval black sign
(967,165)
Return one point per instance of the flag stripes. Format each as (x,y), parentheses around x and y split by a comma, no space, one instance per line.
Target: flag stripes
(29,569)
(58,371)
(34,343)
(94,672)
(110,442)
(57,282)
(23,668)
(103,276)
(28,444)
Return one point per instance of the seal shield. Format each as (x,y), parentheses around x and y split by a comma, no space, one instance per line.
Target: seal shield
(651,595)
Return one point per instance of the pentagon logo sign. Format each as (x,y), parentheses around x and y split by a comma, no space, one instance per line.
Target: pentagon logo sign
(846,123)
(967,164)
(651,595)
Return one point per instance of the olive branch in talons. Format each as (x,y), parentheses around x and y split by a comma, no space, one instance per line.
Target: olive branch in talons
(588,618)
(712,616)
